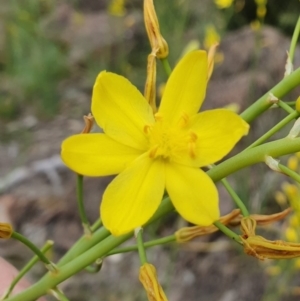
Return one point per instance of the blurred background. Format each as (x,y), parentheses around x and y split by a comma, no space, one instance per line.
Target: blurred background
(50,54)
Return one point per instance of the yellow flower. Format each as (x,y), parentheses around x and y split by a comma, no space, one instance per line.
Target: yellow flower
(153,152)
(117,8)
(223,3)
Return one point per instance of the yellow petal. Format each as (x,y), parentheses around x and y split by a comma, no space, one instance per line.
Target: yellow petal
(217,133)
(121,110)
(133,196)
(96,154)
(186,87)
(193,194)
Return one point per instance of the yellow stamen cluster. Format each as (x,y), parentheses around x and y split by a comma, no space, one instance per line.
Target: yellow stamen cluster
(170,142)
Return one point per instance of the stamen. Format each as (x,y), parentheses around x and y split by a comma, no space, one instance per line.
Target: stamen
(193,137)
(184,120)
(192,144)
(158,116)
(153,152)
(192,149)
(147,129)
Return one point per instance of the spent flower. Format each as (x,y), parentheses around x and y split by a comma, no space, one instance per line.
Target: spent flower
(188,233)
(262,248)
(6,230)
(158,43)
(148,277)
(155,152)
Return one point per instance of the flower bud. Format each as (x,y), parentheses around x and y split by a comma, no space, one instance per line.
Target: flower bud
(6,230)
(158,44)
(148,277)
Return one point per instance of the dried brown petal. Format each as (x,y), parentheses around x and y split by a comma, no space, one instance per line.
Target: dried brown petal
(262,248)
(188,233)
(262,220)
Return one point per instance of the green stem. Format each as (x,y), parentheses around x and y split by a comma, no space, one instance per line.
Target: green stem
(148,244)
(82,213)
(235,197)
(84,243)
(275,129)
(96,225)
(291,103)
(294,40)
(96,267)
(34,249)
(262,104)
(26,268)
(228,232)
(140,244)
(166,66)
(285,107)
(254,155)
(292,174)
(83,260)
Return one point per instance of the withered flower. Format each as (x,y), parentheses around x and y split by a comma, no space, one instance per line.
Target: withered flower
(262,220)
(262,248)
(6,230)
(188,233)
(148,277)
(158,44)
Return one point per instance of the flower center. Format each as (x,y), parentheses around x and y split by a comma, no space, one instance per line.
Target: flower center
(170,142)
